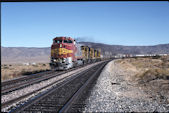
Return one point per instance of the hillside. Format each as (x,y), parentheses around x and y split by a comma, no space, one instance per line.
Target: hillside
(24,54)
(119,49)
(38,55)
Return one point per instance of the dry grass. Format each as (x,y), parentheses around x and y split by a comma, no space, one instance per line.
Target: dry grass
(15,70)
(147,69)
(149,74)
(152,74)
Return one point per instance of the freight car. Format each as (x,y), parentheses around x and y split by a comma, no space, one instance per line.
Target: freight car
(66,53)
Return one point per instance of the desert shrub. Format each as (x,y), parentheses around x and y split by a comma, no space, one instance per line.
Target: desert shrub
(24,72)
(27,73)
(35,65)
(156,57)
(48,69)
(6,67)
(44,65)
(152,74)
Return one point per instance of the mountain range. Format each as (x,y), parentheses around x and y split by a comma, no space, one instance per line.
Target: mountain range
(10,55)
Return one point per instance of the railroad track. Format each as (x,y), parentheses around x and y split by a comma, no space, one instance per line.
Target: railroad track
(24,77)
(19,83)
(63,96)
(7,85)
(13,100)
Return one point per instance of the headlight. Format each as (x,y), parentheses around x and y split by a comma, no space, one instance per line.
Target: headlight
(64,59)
(54,60)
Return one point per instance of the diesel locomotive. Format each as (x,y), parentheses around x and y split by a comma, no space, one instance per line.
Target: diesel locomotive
(67,53)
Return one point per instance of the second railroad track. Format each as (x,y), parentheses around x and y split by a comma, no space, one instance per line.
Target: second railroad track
(66,96)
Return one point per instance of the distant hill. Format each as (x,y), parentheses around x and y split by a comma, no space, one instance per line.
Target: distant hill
(24,54)
(119,49)
(39,55)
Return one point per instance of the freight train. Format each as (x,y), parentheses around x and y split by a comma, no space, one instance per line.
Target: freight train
(67,53)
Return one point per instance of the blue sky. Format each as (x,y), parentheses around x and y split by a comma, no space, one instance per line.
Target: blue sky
(35,24)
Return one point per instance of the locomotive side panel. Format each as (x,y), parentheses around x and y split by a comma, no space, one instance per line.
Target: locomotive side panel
(85,53)
(79,53)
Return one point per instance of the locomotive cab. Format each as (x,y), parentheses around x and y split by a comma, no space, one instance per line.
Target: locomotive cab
(62,55)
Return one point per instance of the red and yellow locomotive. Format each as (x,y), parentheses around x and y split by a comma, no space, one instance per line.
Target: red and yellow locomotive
(66,53)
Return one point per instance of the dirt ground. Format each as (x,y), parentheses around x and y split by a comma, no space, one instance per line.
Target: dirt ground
(10,71)
(149,74)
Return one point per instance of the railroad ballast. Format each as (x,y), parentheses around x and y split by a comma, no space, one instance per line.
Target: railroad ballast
(67,53)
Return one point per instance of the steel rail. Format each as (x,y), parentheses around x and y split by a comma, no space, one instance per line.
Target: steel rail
(30,81)
(25,77)
(15,80)
(26,95)
(56,89)
(76,96)
(3,105)
(46,93)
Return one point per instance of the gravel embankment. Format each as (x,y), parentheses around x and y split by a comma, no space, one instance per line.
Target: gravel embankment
(113,93)
(37,86)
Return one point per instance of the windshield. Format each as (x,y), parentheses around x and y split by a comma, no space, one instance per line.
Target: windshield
(58,41)
(67,41)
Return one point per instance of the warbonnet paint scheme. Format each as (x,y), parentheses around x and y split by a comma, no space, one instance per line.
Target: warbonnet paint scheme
(66,53)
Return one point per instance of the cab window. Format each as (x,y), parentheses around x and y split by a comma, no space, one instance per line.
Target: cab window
(70,41)
(58,41)
(67,41)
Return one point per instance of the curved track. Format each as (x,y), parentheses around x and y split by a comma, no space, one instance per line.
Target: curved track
(14,81)
(24,81)
(64,95)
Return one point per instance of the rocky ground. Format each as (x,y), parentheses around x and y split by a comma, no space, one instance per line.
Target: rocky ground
(119,89)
